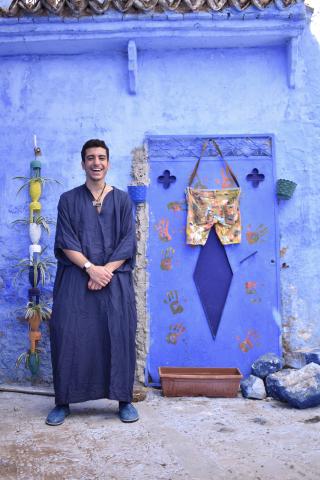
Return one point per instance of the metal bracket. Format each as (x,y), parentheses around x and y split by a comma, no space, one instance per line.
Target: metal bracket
(132,66)
(292,59)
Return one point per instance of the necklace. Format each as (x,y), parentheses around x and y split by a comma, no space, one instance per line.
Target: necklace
(96,202)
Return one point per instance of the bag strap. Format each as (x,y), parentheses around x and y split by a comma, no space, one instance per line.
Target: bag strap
(204,148)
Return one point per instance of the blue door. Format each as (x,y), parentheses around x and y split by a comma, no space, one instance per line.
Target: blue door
(186,281)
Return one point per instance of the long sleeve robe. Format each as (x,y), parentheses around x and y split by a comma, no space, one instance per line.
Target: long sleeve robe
(92,333)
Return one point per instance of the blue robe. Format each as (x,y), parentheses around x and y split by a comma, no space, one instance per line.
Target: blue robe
(92,333)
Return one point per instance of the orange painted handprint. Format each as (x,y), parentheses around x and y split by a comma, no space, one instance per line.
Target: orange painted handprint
(226,181)
(253,236)
(175,332)
(247,344)
(163,230)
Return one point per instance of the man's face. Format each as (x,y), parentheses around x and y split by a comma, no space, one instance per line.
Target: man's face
(95,164)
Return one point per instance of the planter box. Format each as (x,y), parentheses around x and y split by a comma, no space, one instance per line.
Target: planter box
(192,382)
(138,193)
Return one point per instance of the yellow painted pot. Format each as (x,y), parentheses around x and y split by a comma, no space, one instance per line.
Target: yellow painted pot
(34,207)
(35,190)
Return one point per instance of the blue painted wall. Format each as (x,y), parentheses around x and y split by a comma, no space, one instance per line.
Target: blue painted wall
(68,99)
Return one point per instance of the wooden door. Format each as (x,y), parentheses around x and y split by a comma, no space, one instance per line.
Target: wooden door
(180,333)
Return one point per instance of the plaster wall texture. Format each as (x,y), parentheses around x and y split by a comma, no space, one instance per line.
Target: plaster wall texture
(67,99)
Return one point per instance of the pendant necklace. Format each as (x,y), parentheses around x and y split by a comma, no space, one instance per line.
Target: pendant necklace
(96,202)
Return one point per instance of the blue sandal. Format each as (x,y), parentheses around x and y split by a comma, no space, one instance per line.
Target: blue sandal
(57,415)
(127,412)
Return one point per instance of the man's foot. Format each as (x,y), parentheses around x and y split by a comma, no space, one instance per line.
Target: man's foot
(127,412)
(58,414)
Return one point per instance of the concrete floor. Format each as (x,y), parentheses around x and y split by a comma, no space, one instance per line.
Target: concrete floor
(176,438)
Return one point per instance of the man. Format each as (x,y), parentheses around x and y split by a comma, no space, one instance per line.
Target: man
(93,324)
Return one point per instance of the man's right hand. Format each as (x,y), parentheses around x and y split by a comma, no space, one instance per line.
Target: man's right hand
(93,285)
(100,275)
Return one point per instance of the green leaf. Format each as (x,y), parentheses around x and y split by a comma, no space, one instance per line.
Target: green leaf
(20,358)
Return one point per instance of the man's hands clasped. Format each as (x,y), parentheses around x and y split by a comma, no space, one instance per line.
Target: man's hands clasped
(99,277)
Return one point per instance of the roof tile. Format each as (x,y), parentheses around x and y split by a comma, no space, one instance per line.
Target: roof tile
(99,7)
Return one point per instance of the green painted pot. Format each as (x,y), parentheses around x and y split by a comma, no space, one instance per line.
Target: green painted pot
(34,363)
(285,189)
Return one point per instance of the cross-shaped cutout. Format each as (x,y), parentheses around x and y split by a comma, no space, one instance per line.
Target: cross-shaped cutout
(255,177)
(166,179)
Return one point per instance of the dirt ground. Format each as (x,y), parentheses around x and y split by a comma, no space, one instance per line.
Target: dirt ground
(176,438)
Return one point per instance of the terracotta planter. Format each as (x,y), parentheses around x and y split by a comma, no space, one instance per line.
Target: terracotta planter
(34,322)
(192,382)
(34,337)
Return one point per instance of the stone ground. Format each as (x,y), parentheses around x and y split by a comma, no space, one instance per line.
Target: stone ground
(176,438)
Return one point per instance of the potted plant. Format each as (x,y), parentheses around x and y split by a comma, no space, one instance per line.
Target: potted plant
(35,187)
(285,189)
(35,227)
(138,193)
(34,313)
(38,267)
(35,184)
(31,360)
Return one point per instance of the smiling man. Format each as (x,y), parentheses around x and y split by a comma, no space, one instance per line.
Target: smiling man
(93,324)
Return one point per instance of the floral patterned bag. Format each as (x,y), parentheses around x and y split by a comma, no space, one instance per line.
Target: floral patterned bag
(208,208)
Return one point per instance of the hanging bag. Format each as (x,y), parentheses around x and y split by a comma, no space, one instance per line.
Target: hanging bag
(208,208)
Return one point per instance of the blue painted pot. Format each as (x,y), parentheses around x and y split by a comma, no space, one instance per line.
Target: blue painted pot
(31,276)
(138,193)
(34,292)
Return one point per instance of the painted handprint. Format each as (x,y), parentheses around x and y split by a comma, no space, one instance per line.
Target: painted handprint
(251,289)
(248,343)
(226,180)
(166,258)
(176,330)
(253,236)
(162,228)
(173,301)
(177,206)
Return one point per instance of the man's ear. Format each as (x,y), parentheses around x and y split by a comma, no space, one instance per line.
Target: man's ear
(82,164)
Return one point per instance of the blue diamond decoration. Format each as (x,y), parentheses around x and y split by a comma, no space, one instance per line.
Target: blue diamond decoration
(213,276)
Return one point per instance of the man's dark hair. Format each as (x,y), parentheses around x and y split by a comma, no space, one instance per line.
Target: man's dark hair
(94,142)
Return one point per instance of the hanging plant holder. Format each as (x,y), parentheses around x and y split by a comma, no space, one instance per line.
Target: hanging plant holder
(35,265)
(285,189)
(138,193)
